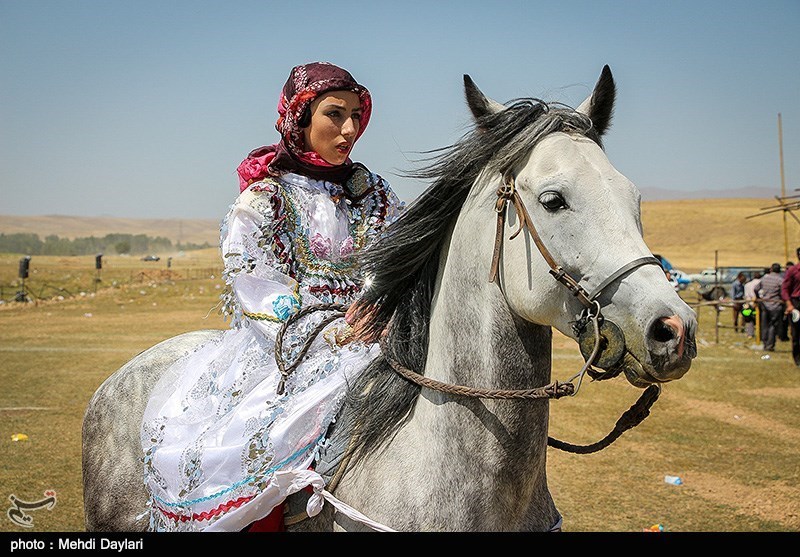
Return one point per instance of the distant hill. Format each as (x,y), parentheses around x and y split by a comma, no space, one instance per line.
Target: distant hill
(656,194)
(196,231)
(688,232)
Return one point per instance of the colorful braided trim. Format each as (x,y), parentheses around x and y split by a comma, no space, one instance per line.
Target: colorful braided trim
(206,515)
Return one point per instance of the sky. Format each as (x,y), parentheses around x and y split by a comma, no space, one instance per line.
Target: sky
(144,109)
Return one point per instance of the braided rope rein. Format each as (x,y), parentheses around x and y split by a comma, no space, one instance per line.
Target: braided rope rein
(555,390)
(287,370)
(552,390)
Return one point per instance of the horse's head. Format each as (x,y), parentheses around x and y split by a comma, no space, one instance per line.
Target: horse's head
(583,219)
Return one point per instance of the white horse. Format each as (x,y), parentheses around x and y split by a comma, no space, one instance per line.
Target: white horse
(464,301)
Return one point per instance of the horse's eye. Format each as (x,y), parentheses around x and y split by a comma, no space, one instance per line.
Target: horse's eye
(552,201)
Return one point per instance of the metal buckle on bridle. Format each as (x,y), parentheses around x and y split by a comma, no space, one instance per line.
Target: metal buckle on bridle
(586,316)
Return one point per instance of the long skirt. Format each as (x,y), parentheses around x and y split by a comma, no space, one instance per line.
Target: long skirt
(221,448)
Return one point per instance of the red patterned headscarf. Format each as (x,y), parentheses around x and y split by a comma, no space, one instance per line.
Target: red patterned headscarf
(305,84)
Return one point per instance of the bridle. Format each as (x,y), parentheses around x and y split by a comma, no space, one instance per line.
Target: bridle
(507,193)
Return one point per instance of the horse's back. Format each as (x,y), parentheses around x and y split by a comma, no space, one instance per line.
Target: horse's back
(113,484)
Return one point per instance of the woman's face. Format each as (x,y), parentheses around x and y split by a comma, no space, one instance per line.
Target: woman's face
(335,121)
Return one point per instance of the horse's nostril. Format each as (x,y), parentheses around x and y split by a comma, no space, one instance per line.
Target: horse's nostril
(662,332)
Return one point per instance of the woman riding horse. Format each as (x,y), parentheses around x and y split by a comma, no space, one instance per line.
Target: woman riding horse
(527,228)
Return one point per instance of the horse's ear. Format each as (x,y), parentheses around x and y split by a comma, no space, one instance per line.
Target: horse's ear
(480,105)
(600,104)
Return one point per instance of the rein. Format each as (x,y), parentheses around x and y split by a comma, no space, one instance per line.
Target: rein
(555,390)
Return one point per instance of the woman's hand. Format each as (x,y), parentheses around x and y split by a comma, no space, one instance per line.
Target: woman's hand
(359,318)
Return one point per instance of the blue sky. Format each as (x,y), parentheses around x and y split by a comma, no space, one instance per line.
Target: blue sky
(144,109)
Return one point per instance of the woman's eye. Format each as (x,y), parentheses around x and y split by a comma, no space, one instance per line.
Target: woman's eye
(552,201)
(333,114)
(356,116)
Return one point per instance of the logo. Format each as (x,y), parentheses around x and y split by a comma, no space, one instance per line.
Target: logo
(16,513)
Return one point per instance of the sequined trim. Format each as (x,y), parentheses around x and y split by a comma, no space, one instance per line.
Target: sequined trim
(330,281)
(231,504)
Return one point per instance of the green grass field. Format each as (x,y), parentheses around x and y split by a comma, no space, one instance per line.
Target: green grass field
(730,428)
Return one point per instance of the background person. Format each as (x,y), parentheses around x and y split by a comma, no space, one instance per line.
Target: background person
(783,331)
(751,304)
(790,293)
(769,291)
(737,293)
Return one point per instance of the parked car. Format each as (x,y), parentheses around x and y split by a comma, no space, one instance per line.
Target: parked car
(151,258)
(706,276)
(716,283)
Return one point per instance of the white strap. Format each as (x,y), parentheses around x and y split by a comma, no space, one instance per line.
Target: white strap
(345,509)
(320,495)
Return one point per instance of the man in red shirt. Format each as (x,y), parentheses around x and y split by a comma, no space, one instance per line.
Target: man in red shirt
(790,293)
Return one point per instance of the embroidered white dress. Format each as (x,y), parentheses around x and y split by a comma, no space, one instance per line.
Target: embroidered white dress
(221,447)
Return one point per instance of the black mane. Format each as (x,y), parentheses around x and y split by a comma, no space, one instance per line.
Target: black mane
(404,262)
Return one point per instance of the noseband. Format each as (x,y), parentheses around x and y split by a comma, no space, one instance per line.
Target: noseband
(604,344)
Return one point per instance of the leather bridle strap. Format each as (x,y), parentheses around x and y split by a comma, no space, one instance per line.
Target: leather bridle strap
(646,260)
(508,193)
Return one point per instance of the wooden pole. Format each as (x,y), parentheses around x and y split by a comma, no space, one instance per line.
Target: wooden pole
(716,306)
(783,189)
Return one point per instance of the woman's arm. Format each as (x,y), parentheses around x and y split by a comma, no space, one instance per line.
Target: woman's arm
(257,290)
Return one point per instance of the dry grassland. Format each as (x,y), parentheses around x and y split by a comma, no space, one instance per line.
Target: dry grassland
(689,232)
(730,428)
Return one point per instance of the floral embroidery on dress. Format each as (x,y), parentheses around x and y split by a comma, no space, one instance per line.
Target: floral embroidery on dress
(192,470)
(346,248)
(285,306)
(321,247)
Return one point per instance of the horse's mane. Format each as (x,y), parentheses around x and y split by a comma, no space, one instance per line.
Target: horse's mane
(403,263)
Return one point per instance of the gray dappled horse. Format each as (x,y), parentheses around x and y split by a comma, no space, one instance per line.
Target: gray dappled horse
(464,302)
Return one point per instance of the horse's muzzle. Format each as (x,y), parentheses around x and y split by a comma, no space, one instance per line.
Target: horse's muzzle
(671,347)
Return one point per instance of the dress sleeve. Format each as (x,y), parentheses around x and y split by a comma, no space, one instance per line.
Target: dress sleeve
(257,291)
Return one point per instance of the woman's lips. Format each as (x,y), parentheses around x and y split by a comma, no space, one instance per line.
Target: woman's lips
(344,148)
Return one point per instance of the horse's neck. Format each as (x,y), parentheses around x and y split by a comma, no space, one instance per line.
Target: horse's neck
(493,450)
(476,341)
(462,463)
(474,336)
